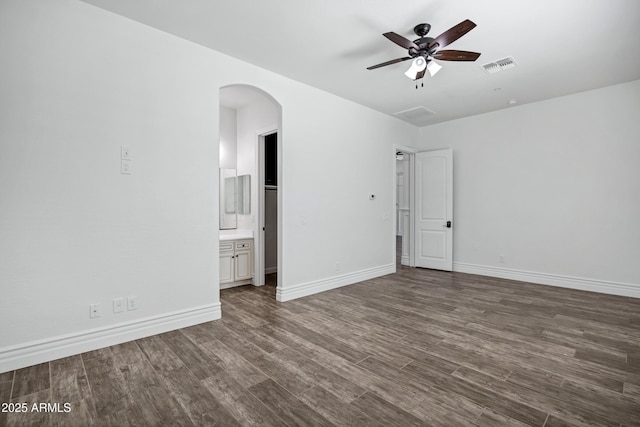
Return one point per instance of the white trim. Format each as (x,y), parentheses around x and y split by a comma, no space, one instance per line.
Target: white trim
(412,210)
(258,259)
(580,283)
(410,181)
(405,148)
(259,250)
(40,351)
(310,288)
(394,207)
(270,270)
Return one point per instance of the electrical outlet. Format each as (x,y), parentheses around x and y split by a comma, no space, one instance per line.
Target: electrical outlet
(125,167)
(501,258)
(94,310)
(337,266)
(132,303)
(118,305)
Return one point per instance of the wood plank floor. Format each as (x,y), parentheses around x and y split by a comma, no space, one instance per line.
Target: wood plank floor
(416,348)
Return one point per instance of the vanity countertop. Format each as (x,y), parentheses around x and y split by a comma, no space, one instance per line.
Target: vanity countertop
(235,234)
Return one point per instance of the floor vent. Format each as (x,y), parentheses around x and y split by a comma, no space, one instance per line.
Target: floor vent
(499,65)
(417,116)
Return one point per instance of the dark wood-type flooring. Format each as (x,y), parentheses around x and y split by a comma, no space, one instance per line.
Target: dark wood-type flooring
(416,348)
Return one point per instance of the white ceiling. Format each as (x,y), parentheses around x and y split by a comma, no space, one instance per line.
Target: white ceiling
(561,47)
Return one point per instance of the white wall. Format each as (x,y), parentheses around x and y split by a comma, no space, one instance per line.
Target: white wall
(77,83)
(261,115)
(258,116)
(554,186)
(331,228)
(228,138)
(228,162)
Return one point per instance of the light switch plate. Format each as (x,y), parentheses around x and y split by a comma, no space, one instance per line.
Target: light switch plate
(125,153)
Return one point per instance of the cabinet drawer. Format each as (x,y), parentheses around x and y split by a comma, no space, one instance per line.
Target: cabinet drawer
(226,246)
(243,245)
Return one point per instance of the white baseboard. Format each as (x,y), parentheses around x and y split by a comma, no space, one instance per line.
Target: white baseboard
(310,288)
(605,287)
(271,270)
(34,352)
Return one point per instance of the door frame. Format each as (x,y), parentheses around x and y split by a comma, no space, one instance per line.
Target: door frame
(410,181)
(259,240)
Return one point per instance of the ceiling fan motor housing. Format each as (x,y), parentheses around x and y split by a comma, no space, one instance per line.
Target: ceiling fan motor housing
(422,30)
(423,43)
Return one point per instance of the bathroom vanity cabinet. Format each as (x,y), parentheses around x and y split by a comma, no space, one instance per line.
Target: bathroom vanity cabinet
(236,262)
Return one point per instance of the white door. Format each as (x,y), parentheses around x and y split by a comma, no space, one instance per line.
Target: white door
(434,210)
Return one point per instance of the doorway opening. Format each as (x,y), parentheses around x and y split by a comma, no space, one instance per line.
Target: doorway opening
(248,116)
(423,234)
(268,160)
(403,205)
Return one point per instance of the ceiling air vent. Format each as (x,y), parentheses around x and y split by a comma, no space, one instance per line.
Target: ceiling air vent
(418,116)
(499,65)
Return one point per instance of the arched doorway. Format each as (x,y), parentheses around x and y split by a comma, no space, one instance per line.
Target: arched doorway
(255,117)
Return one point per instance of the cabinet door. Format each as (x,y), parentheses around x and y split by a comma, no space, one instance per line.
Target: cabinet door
(243,265)
(226,267)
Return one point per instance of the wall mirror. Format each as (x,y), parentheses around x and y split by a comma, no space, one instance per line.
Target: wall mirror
(235,198)
(228,217)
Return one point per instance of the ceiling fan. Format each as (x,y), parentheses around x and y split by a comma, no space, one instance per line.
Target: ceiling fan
(424,49)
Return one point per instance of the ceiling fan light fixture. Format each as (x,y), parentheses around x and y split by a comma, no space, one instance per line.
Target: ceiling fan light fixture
(419,64)
(433,67)
(424,49)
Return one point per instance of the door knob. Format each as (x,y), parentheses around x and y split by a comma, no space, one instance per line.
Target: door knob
(448,224)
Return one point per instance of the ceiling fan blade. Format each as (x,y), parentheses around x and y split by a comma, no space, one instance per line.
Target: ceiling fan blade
(401,41)
(384,64)
(453,34)
(420,74)
(455,55)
